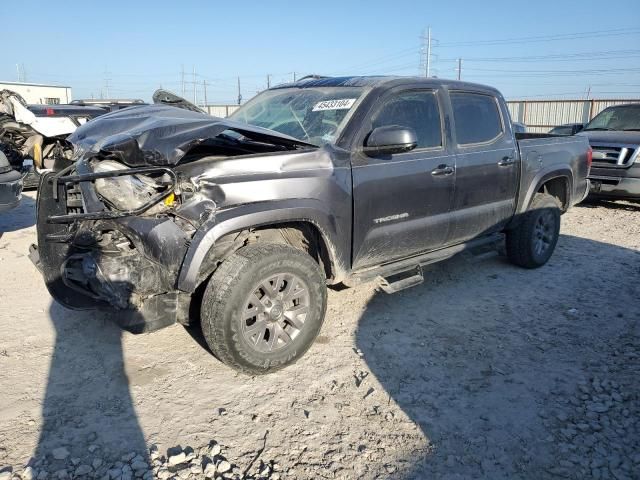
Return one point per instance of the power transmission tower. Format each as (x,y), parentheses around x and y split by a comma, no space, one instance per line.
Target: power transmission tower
(182,76)
(195,94)
(107,79)
(204,85)
(427,56)
(427,71)
(22,73)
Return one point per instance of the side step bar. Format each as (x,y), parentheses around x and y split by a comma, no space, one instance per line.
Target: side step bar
(411,279)
(410,269)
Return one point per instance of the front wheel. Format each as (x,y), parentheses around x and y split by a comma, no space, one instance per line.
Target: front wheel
(532,242)
(263,307)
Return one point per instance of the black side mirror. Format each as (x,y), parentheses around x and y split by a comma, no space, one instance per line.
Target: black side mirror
(390,139)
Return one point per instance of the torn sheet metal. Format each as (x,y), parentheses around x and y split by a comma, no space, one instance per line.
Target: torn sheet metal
(162,135)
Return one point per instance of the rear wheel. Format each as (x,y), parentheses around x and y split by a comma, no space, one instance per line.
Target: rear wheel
(532,242)
(263,307)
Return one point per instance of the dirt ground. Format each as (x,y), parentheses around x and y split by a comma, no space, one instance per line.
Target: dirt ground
(484,371)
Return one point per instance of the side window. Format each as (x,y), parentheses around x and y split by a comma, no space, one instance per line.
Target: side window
(417,110)
(477,117)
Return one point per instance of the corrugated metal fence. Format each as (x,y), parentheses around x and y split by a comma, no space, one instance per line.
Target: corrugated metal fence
(541,115)
(538,115)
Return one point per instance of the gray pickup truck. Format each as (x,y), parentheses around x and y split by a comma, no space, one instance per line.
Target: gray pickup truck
(614,135)
(169,215)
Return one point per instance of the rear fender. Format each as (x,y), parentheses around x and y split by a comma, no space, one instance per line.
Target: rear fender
(540,179)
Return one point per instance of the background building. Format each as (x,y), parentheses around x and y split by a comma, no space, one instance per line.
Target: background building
(39,93)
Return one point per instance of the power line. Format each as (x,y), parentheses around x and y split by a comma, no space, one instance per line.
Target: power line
(546,38)
(604,55)
(559,72)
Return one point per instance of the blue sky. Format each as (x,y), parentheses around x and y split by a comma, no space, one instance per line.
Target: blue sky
(136,46)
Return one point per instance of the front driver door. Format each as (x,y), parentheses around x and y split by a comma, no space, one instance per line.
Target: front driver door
(402,201)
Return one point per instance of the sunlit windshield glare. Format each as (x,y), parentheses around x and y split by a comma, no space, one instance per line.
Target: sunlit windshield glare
(313,115)
(620,118)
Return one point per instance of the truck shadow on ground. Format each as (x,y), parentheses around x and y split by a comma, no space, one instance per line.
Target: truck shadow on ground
(23,216)
(629,205)
(474,354)
(88,399)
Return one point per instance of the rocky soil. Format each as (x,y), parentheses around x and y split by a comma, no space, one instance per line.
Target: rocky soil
(484,371)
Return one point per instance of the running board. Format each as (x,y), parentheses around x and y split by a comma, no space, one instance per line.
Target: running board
(390,285)
(410,264)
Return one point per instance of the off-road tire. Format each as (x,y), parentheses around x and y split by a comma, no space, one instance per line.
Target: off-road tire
(224,303)
(543,213)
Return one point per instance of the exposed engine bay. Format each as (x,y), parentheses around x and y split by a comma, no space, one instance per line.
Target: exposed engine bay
(116,225)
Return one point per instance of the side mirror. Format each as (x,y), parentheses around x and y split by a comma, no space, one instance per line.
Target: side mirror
(390,139)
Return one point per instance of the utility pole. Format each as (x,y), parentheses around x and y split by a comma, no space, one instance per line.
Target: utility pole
(239,94)
(195,91)
(428,63)
(459,68)
(182,80)
(106,82)
(204,85)
(22,72)
(294,77)
(268,80)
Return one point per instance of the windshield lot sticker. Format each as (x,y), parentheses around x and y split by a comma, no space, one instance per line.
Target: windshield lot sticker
(340,104)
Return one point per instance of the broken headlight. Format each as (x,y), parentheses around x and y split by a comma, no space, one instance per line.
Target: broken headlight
(127,192)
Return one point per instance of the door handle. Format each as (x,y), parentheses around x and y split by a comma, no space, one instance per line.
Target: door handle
(442,170)
(506,161)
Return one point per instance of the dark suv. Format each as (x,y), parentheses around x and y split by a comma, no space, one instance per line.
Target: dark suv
(614,135)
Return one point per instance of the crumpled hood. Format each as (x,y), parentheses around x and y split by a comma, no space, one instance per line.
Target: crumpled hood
(618,136)
(161,135)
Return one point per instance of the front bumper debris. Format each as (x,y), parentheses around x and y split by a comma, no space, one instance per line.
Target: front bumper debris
(125,265)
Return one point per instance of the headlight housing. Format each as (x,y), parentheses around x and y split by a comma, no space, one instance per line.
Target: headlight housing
(127,192)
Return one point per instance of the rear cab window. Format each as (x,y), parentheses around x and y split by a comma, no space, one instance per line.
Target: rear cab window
(477,118)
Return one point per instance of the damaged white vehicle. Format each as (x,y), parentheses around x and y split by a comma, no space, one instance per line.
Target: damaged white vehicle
(35,135)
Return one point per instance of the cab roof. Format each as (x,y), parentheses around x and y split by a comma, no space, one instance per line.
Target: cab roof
(378,81)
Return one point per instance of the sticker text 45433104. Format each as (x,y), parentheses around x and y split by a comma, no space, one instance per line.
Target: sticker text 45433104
(339,104)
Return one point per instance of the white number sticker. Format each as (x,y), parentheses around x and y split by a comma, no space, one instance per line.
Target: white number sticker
(340,104)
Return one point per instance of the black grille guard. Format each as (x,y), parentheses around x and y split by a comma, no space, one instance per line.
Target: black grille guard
(61,177)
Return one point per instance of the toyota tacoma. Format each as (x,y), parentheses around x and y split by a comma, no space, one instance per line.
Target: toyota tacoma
(169,215)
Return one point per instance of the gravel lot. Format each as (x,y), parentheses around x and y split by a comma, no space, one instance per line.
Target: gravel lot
(485,371)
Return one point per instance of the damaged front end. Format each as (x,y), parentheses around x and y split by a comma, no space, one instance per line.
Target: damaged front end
(93,255)
(115,227)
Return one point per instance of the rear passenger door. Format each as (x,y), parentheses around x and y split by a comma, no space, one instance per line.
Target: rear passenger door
(487,167)
(401,201)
